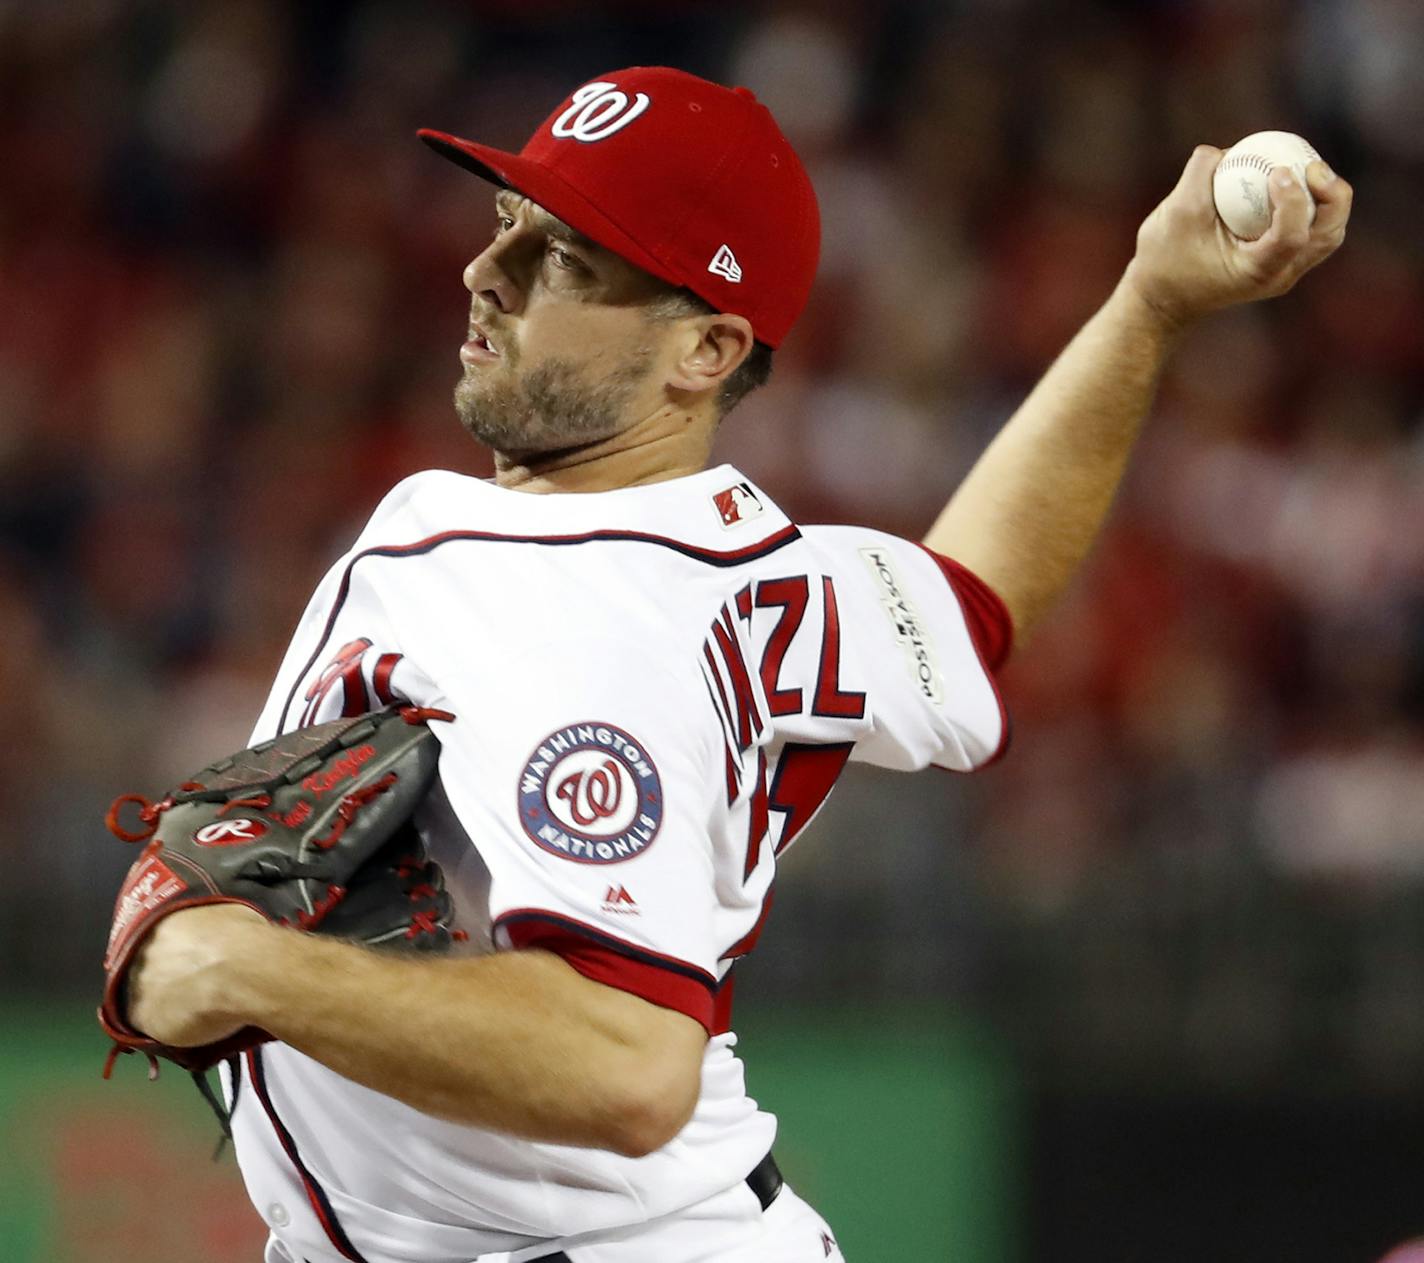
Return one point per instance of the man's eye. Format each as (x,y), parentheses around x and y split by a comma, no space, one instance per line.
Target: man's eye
(562,258)
(503,223)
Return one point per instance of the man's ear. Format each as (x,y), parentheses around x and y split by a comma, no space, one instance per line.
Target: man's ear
(710,351)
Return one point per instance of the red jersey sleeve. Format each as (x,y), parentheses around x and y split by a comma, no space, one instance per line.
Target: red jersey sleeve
(987,617)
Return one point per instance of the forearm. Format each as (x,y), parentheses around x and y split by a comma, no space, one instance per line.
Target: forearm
(517,1041)
(1029,510)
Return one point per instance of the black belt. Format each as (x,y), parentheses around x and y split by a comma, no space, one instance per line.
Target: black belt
(765,1181)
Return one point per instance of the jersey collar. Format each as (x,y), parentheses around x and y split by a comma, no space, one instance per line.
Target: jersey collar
(717,508)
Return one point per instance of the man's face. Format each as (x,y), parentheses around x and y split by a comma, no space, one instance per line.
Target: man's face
(562,351)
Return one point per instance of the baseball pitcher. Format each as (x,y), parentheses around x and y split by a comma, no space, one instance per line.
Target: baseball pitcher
(647,680)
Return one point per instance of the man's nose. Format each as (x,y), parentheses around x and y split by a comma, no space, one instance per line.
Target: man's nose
(487,277)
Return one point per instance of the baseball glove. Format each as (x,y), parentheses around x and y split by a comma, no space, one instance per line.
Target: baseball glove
(311,829)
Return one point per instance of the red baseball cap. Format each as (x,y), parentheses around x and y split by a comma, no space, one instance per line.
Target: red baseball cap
(684,178)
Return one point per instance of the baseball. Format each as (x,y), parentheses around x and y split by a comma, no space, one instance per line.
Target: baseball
(1239,186)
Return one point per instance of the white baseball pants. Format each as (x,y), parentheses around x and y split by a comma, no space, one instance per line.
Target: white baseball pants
(730,1227)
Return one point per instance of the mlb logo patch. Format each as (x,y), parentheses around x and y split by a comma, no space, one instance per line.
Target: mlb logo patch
(737,504)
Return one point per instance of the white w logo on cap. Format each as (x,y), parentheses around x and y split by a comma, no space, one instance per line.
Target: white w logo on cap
(598,110)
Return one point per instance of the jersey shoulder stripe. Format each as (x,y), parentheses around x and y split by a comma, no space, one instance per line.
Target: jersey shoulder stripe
(713,557)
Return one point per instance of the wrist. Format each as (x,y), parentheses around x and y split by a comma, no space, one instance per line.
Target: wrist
(269,971)
(1148,309)
(247,945)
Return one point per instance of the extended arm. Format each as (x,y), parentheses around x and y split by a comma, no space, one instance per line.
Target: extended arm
(517,1041)
(1029,510)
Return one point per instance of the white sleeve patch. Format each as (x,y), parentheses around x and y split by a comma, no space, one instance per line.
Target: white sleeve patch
(910,629)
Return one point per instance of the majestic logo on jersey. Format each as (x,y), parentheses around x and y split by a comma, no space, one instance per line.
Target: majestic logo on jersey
(617,899)
(232,832)
(910,629)
(590,793)
(598,110)
(724,263)
(738,504)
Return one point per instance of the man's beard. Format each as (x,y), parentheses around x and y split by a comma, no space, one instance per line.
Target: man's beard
(548,409)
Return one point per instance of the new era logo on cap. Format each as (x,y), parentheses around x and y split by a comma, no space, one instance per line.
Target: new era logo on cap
(666,170)
(724,263)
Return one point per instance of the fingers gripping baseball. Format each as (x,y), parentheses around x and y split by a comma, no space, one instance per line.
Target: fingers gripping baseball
(1293,244)
(1188,264)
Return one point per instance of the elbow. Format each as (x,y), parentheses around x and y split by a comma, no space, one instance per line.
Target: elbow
(641,1131)
(654,1107)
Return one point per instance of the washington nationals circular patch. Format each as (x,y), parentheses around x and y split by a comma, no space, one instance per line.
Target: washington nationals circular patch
(591,793)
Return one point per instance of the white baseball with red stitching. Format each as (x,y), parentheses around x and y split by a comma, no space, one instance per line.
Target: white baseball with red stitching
(1239,185)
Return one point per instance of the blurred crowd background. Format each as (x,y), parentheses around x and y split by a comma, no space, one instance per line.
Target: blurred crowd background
(230,305)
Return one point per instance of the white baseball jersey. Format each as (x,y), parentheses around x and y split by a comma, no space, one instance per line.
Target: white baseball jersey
(655,688)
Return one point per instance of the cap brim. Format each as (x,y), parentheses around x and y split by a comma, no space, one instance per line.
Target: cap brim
(546,187)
